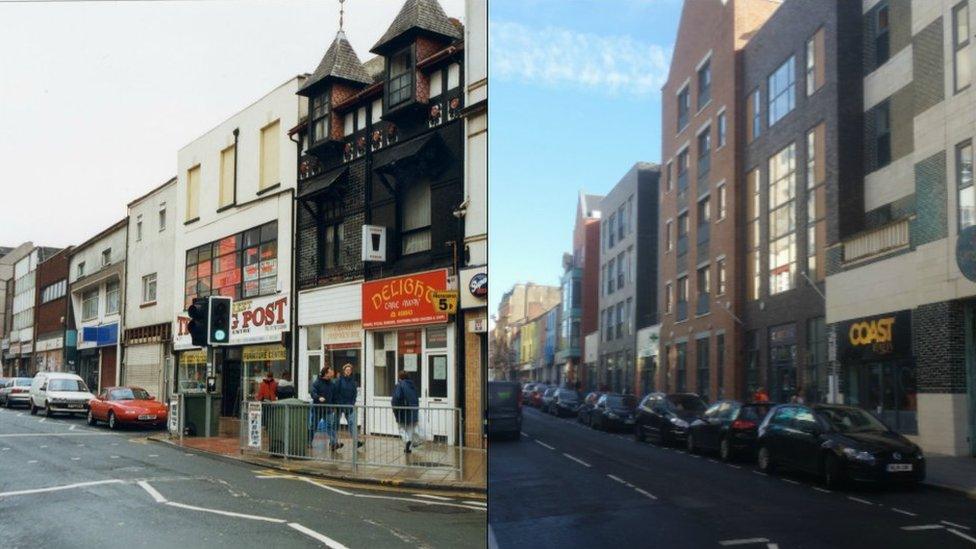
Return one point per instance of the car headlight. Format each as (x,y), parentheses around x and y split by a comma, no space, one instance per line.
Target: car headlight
(678,422)
(919,454)
(856,455)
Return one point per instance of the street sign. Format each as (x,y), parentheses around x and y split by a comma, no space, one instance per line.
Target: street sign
(254,424)
(445,302)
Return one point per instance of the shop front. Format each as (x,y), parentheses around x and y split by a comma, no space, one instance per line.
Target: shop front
(877,367)
(406,333)
(258,330)
(98,353)
(330,334)
(49,354)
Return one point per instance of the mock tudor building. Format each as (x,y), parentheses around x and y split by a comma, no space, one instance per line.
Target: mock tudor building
(96,284)
(233,219)
(383,148)
(148,317)
(700,121)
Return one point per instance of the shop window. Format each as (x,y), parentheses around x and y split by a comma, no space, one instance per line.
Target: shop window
(243,265)
(437,337)
(259,359)
(384,357)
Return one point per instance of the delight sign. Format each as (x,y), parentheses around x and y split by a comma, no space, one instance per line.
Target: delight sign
(403,300)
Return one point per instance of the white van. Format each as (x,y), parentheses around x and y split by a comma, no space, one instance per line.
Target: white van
(59,392)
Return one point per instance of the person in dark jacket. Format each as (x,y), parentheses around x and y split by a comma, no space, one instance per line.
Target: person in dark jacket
(405,402)
(323,393)
(285,388)
(346,391)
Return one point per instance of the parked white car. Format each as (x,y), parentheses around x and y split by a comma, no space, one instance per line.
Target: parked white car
(57,392)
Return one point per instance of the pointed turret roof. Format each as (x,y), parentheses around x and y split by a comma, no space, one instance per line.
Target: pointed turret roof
(340,61)
(426,15)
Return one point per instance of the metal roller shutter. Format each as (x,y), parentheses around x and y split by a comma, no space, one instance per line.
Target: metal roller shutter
(144,367)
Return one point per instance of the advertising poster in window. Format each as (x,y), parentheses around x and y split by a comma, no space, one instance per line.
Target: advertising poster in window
(403,300)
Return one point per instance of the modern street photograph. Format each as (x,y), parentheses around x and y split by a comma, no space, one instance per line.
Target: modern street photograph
(733,296)
(243,273)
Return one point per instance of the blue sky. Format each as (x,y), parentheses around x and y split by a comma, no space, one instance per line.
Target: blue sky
(574,102)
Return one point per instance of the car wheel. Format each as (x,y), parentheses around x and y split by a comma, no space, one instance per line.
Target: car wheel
(47,410)
(91,418)
(33,408)
(725,449)
(112,424)
(765,460)
(638,433)
(832,472)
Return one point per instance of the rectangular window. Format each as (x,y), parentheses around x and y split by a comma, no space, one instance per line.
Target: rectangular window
(755,112)
(620,269)
(782,220)
(193,193)
(720,275)
(781,86)
(54,291)
(720,364)
(400,78)
(704,84)
(668,297)
(610,276)
(81,269)
(320,117)
(684,106)
(722,129)
(683,289)
(881,42)
(816,203)
(722,200)
(238,266)
(269,155)
(704,153)
(964,182)
(162,216)
(612,231)
(415,215)
(704,211)
(753,272)
(669,175)
(139,229)
(111,298)
(701,350)
(149,288)
(667,236)
(882,135)
(704,282)
(333,239)
(622,223)
(106,257)
(620,320)
(815,62)
(89,304)
(960,46)
(630,215)
(227,176)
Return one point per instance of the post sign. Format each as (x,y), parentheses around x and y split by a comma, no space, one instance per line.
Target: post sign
(406,300)
(258,320)
(254,424)
(446,302)
(882,337)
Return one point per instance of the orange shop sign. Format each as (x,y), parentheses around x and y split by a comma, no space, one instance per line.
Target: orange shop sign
(403,300)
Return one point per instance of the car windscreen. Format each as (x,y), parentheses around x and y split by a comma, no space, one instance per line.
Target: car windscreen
(129,394)
(22,382)
(754,412)
(501,394)
(851,420)
(685,403)
(72,385)
(621,401)
(567,396)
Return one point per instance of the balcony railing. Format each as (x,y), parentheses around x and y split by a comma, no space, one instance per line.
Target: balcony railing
(884,239)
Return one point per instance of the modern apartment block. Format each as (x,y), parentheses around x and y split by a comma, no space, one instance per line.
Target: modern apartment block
(586,258)
(628,273)
(901,311)
(700,265)
(801,162)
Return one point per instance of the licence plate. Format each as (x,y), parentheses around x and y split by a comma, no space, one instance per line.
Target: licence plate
(74,405)
(147,416)
(899,467)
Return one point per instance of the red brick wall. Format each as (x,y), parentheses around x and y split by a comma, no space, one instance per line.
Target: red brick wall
(48,316)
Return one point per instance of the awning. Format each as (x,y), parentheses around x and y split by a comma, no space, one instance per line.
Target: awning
(323,182)
(389,159)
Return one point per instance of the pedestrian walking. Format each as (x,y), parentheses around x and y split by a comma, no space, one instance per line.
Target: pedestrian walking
(268,388)
(322,413)
(346,393)
(285,389)
(406,401)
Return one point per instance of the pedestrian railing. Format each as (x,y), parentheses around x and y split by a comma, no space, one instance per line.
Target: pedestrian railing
(354,434)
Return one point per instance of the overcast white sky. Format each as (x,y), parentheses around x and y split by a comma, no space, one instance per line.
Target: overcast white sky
(96,97)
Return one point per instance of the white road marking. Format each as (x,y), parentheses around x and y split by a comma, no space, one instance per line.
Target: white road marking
(115,444)
(154,455)
(544,445)
(734,466)
(32,461)
(819,489)
(947,523)
(371,496)
(439,498)
(923,527)
(20,414)
(645,493)
(960,534)
(225,513)
(58,488)
(526,435)
(618,479)
(859,500)
(42,420)
(329,542)
(743,541)
(75,459)
(187,454)
(326,486)
(760,473)
(152,492)
(791,481)
(712,460)
(43,445)
(772,546)
(5,449)
(904,512)
(577,460)
(114,457)
(72,428)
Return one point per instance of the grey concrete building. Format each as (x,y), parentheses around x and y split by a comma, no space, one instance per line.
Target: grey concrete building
(628,273)
(801,168)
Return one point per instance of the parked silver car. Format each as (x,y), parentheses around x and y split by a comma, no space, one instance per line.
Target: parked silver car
(14,391)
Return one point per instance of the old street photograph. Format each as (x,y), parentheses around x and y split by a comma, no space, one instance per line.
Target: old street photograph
(243,273)
(733,296)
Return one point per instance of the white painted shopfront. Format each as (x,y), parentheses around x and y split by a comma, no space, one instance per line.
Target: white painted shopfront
(330,333)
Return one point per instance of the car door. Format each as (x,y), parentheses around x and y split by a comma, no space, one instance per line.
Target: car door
(706,426)
(805,439)
(598,410)
(776,434)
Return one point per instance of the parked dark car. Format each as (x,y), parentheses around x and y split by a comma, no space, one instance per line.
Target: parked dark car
(565,403)
(583,413)
(665,418)
(547,397)
(527,390)
(840,443)
(728,427)
(613,412)
(504,409)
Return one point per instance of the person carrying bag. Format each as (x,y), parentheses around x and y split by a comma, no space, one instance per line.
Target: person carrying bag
(406,403)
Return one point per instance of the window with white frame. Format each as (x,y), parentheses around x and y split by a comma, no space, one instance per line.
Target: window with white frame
(668,236)
(720,276)
(704,84)
(782,220)
(960,46)
(112,294)
(139,228)
(89,304)
(721,199)
(964,182)
(81,269)
(106,257)
(162,216)
(149,288)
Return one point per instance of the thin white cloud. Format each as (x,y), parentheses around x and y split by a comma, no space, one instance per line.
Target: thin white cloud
(559,57)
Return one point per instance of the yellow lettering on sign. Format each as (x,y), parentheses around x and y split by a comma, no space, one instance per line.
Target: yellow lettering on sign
(871,332)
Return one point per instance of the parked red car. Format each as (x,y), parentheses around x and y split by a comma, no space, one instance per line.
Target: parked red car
(119,406)
(535,398)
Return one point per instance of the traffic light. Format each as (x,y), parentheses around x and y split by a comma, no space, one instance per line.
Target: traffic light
(218,332)
(198,312)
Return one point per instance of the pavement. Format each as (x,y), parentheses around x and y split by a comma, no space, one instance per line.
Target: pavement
(565,485)
(65,484)
(953,473)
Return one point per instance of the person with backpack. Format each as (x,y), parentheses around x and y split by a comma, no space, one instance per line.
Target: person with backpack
(406,402)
